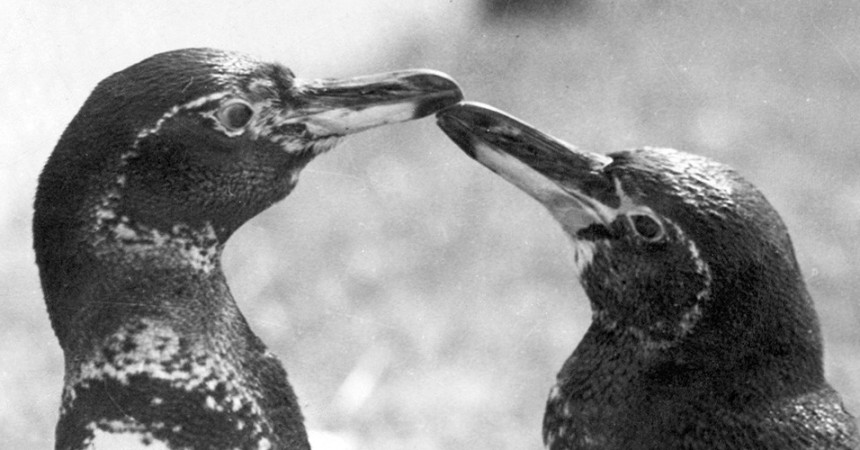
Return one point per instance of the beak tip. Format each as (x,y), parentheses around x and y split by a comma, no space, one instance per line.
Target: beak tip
(443,92)
(441,80)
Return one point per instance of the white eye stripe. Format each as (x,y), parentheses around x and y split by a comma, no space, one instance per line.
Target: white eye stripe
(196,103)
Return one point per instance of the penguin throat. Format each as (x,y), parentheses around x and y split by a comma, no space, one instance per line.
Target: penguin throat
(117,236)
(120,238)
(661,335)
(658,313)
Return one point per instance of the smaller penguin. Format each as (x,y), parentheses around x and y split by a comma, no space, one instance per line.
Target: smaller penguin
(703,334)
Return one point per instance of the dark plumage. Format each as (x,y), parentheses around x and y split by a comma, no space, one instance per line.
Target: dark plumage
(164,161)
(703,334)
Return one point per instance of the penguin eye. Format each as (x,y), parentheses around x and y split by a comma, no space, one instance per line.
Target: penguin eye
(647,226)
(235,114)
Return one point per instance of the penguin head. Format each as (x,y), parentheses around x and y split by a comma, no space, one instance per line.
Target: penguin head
(207,136)
(673,250)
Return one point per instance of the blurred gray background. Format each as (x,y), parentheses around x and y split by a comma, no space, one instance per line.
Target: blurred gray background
(417,300)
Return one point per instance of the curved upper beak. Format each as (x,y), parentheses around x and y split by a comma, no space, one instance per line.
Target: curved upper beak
(568,181)
(337,107)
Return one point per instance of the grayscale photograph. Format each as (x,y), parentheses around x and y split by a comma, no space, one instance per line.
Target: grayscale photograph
(430,225)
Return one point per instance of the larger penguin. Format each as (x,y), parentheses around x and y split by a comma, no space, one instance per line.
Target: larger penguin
(703,333)
(164,161)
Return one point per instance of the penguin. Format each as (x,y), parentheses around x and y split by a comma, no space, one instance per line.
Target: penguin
(703,334)
(165,160)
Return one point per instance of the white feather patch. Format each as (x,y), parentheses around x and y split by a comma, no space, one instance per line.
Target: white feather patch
(112,436)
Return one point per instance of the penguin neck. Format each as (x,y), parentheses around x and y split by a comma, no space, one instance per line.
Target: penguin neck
(146,319)
(730,363)
(177,359)
(754,320)
(102,267)
(612,393)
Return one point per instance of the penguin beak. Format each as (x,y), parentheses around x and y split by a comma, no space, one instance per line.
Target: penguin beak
(567,181)
(338,107)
